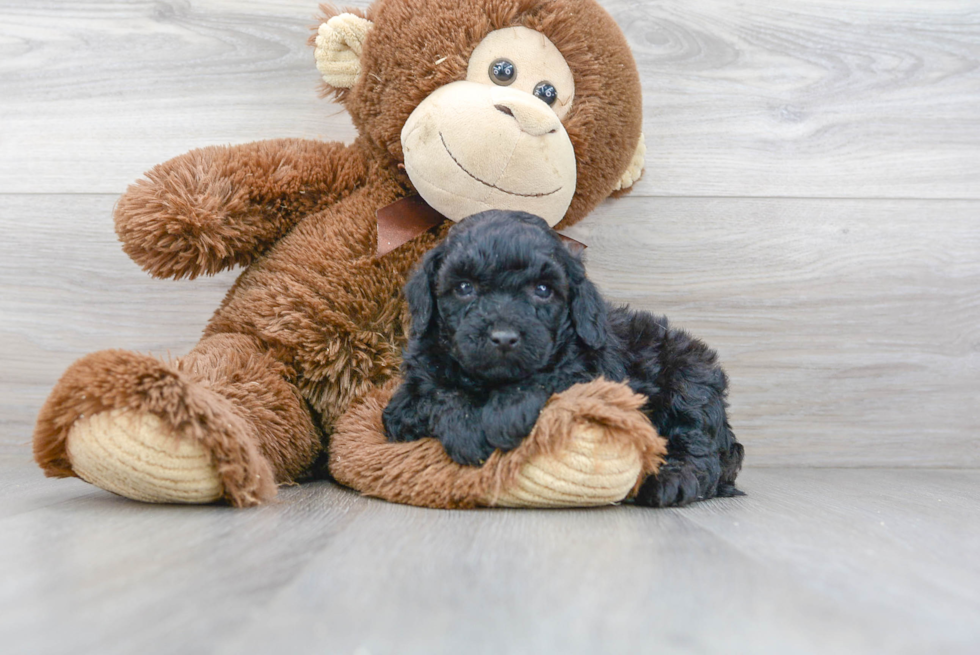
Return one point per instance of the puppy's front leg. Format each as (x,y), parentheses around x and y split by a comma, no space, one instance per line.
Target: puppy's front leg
(460,427)
(406,416)
(510,414)
(418,410)
(471,431)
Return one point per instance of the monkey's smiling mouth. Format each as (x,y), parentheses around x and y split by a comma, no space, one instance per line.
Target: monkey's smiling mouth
(485,183)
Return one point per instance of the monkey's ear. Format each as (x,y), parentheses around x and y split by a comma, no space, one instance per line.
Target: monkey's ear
(420,292)
(339,43)
(635,169)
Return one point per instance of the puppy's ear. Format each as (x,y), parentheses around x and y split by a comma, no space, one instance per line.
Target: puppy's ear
(589,314)
(588,309)
(420,292)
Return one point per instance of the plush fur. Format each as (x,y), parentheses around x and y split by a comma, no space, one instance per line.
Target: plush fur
(503,317)
(315,321)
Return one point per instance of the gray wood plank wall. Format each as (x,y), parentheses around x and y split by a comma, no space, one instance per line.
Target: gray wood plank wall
(811,205)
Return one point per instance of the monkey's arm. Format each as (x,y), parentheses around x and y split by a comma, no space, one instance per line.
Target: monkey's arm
(221,206)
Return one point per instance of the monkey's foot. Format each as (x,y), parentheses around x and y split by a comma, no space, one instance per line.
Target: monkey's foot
(145,430)
(590,470)
(135,455)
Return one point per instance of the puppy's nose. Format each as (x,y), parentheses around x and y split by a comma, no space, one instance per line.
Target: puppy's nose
(504,339)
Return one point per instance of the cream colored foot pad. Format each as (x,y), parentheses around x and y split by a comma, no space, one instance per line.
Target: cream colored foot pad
(592,471)
(135,455)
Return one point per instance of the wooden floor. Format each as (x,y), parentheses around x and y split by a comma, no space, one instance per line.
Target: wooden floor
(810,561)
(811,208)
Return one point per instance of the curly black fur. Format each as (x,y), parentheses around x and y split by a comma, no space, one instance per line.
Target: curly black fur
(503,317)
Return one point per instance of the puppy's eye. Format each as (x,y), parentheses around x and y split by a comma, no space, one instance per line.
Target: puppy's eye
(464,289)
(543,291)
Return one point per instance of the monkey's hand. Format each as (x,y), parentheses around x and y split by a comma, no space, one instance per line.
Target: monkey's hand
(217,207)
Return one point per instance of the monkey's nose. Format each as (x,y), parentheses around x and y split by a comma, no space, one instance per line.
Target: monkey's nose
(532,115)
(505,339)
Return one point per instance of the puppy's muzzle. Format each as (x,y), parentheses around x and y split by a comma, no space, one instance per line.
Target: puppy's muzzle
(505,340)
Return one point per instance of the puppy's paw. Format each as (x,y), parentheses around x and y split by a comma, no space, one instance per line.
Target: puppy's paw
(675,485)
(467,450)
(398,427)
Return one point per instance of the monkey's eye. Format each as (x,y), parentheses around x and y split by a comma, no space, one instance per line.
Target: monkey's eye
(464,290)
(547,92)
(503,72)
(543,291)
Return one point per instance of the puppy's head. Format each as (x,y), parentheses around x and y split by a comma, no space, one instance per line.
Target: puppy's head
(503,296)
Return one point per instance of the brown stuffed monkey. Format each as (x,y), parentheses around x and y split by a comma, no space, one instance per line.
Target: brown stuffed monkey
(530,105)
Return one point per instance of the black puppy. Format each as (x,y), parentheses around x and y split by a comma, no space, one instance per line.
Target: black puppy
(503,317)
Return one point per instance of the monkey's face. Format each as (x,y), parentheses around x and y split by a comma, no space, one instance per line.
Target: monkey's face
(530,105)
(495,139)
